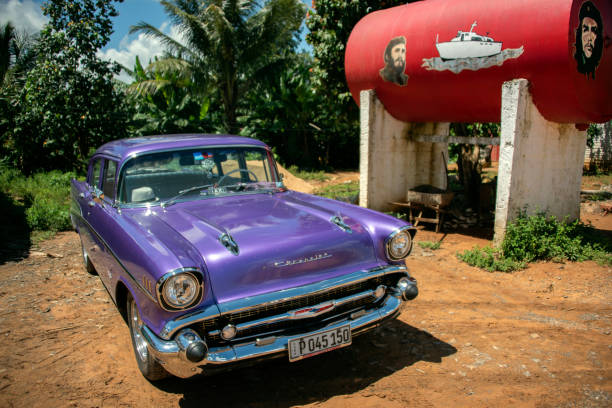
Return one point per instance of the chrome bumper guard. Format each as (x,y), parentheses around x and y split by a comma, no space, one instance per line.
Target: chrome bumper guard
(172,355)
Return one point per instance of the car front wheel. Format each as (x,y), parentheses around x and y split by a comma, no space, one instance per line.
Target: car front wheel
(148,366)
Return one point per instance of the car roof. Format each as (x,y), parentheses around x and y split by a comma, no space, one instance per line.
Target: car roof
(124,148)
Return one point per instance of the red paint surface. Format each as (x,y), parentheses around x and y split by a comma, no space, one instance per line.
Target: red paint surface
(545,28)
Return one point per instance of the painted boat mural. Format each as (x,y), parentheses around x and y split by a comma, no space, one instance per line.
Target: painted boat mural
(468,44)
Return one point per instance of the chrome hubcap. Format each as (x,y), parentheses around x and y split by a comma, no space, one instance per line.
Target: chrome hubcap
(139,341)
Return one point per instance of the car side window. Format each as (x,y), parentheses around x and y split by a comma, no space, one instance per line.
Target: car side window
(230,164)
(108,182)
(94,176)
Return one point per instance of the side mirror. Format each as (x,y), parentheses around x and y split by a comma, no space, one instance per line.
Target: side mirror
(97,193)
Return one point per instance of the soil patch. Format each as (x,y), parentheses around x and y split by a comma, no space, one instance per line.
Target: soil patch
(540,337)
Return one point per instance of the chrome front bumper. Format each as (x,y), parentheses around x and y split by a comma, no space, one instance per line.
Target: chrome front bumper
(171,353)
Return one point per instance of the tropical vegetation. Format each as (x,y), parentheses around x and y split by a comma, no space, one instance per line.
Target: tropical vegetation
(542,237)
(236,66)
(227,46)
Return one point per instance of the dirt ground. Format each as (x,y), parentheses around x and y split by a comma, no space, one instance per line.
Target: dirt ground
(540,337)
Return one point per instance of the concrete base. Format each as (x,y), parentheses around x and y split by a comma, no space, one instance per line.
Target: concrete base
(540,165)
(390,163)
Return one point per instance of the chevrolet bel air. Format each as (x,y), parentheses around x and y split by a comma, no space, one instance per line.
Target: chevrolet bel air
(213,262)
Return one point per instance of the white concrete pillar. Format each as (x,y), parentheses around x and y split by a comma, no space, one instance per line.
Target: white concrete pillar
(390,163)
(540,163)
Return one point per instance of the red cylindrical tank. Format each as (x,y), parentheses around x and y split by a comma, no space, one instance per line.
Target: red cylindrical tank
(458,54)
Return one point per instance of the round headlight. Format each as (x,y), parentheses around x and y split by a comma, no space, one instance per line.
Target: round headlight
(399,245)
(181,290)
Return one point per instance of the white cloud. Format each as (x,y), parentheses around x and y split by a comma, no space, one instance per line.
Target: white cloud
(23,14)
(146,48)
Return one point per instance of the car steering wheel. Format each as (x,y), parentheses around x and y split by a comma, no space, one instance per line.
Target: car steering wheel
(234,171)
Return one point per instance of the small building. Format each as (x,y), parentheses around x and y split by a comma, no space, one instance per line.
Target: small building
(599,155)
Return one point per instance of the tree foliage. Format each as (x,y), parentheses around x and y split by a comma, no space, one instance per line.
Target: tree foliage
(280,112)
(68,104)
(17,58)
(330,23)
(226,45)
(164,102)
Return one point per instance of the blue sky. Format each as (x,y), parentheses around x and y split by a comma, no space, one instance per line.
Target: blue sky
(123,48)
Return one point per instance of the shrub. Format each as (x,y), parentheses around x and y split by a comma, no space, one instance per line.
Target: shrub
(541,237)
(48,215)
(45,197)
(489,259)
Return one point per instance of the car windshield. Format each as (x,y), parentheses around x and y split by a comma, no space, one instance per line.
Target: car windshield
(168,177)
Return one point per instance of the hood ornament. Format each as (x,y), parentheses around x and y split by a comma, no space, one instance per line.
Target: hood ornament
(228,242)
(339,221)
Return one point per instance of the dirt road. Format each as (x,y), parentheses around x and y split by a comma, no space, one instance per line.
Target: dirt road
(536,338)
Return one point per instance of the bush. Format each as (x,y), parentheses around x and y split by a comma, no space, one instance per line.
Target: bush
(48,215)
(45,197)
(541,237)
(489,259)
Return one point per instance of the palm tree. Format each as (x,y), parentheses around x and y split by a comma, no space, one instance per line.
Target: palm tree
(17,53)
(226,45)
(7,44)
(164,102)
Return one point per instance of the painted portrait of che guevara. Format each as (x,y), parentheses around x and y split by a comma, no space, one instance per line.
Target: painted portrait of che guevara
(589,39)
(395,62)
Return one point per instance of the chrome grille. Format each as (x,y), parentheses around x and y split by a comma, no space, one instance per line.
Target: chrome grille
(281,307)
(288,325)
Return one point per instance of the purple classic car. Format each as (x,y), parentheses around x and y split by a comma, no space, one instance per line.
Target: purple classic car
(214,263)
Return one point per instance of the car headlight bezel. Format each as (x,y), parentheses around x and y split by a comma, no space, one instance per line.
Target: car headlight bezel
(168,300)
(393,238)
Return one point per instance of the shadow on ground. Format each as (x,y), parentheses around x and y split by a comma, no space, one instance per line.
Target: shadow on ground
(15,239)
(279,383)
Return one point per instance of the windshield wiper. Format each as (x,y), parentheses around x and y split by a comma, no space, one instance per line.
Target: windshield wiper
(238,186)
(181,193)
(256,186)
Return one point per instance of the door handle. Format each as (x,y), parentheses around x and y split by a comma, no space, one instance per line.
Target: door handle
(91,203)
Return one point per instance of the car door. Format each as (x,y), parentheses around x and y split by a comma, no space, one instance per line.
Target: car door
(92,244)
(102,217)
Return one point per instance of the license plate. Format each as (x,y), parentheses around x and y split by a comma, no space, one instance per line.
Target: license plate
(313,344)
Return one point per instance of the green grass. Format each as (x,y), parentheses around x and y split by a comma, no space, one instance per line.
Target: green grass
(308,175)
(348,192)
(542,238)
(593,180)
(429,245)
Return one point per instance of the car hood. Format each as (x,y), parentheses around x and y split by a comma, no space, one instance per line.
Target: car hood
(283,241)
